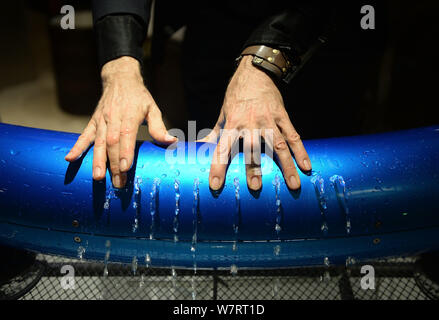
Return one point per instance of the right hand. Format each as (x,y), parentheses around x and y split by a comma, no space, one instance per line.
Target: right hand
(124,105)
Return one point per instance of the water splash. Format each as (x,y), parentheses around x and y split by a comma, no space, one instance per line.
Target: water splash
(177,208)
(195,213)
(110,195)
(134,265)
(319,188)
(107,257)
(137,203)
(278,206)
(237,215)
(340,188)
(154,205)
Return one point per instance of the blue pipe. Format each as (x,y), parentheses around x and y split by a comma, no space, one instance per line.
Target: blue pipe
(368,197)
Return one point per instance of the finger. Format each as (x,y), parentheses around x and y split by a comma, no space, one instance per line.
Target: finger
(157,128)
(100,151)
(113,140)
(252,153)
(295,142)
(286,161)
(221,158)
(84,141)
(128,134)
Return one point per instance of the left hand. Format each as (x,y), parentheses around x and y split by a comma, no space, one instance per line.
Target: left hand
(253,101)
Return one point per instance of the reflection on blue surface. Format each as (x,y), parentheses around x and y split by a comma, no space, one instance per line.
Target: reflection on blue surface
(362,189)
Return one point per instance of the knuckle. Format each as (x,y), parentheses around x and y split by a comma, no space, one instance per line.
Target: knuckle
(294,138)
(112,139)
(280,146)
(106,114)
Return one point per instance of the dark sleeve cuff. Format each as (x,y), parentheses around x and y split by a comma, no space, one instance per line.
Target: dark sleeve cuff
(296,30)
(119,35)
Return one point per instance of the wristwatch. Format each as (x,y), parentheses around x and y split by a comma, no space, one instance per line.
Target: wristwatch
(272,60)
(278,64)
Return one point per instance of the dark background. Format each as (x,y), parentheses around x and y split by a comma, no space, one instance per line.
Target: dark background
(361,82)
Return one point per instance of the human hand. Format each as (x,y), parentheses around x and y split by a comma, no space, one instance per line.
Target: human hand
(124,105)
(252,101)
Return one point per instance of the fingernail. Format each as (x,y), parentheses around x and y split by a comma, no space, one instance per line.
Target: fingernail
(294,183)
(124,164)
(169,138)
(97,172)
(116,181)
(215,183)
(255,183)
(307,165)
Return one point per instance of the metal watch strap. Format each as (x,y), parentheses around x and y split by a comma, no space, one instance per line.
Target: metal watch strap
(269,59)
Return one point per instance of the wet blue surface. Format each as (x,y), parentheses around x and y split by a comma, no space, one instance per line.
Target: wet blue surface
(362,188)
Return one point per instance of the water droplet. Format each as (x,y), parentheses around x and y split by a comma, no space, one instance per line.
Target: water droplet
(174,278)
(80,251)
(278,204)
(147,260)
(105,271)
(14,152)
(326,277)
(195,213)
(177,173)
(234,269)
(194,288)
(164,176)
(153,205)
(134,265)
(319,189)
(350,261)
(237,213)
(177,208)
(277,250)
(339,185)
(203,169)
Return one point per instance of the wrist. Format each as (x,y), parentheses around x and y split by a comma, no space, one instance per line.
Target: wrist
(246,67)
(121,68)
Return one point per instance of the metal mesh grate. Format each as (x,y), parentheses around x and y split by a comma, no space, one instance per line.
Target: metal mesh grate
(394,279)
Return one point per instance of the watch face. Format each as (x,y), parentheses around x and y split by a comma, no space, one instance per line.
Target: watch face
(257,60)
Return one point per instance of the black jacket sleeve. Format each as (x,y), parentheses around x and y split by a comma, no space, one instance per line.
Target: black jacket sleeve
(120,28)
(297,30)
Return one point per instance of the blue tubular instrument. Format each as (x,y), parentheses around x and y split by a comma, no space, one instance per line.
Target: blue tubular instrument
(368,197)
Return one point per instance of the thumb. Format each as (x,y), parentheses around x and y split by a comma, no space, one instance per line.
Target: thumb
(157,129)
(213,136)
